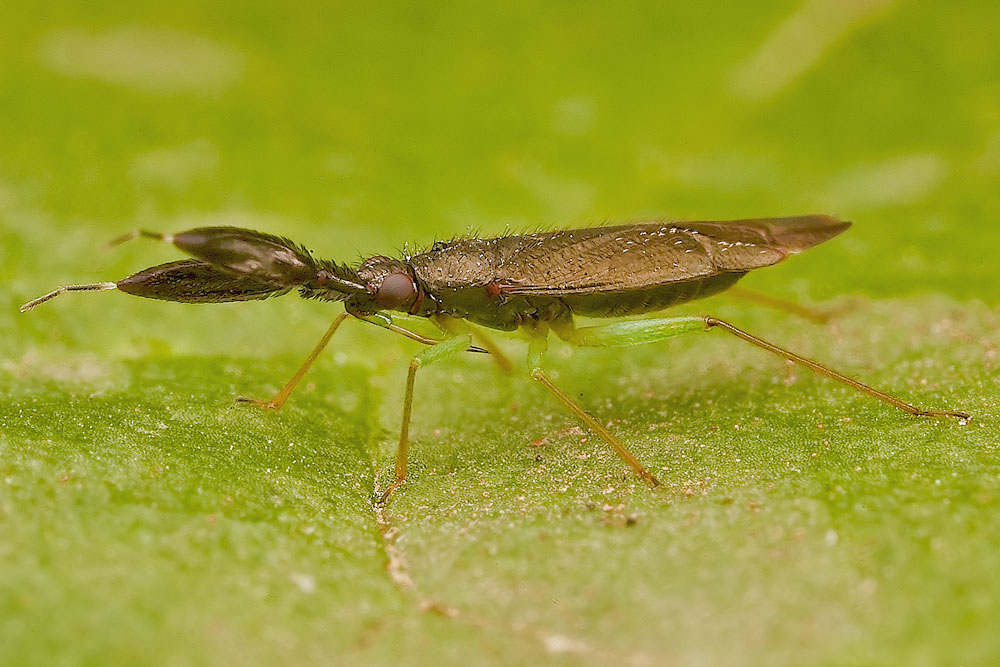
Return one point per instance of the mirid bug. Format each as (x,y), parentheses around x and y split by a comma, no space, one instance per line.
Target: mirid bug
(532,282)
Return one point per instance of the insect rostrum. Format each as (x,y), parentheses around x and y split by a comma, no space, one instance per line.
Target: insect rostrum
(533,282)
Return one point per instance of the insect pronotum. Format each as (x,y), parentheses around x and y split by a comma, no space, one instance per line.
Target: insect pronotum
(532,282)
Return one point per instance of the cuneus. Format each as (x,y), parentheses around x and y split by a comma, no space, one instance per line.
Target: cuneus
(532,282)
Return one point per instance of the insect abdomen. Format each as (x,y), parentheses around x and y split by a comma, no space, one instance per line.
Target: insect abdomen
(636,302)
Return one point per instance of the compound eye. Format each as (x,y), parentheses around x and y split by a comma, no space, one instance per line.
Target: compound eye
(395,290)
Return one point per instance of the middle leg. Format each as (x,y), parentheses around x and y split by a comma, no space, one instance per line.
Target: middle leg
(536,352)
(443,350)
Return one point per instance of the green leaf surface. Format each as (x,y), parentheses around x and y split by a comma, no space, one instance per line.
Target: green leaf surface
(146,519)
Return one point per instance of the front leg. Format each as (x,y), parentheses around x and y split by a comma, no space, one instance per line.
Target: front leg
(380,320)
(278,400)
(443,350)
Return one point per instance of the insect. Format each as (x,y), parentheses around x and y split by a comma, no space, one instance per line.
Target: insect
(536,283)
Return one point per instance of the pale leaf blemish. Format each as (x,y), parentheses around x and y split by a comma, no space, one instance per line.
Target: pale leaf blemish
(565,198)
(724,172)
(341,164)
(304,582)
(799,44)
(988,162)
(88,370)
(153,60)
(561,644)
(900,180)
(176,167)
(574,116)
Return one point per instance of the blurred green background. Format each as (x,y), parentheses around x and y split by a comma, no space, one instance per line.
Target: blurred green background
(144,519)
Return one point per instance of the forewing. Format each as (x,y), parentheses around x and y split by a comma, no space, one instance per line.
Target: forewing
(628,257)
(618,258)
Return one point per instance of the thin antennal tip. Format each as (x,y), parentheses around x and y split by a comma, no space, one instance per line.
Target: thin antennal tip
(137,233)
(91,287)
(39,301)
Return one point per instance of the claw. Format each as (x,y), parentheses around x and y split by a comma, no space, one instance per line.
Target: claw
(256,402)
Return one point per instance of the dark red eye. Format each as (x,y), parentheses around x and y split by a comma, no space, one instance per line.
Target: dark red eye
(395,290)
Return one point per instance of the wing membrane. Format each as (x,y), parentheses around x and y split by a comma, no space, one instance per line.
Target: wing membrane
(646,255)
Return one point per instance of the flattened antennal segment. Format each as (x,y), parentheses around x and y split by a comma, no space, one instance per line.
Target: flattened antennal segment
(92,287)
(256,256)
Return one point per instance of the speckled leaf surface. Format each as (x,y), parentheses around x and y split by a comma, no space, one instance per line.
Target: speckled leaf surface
(146,519)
